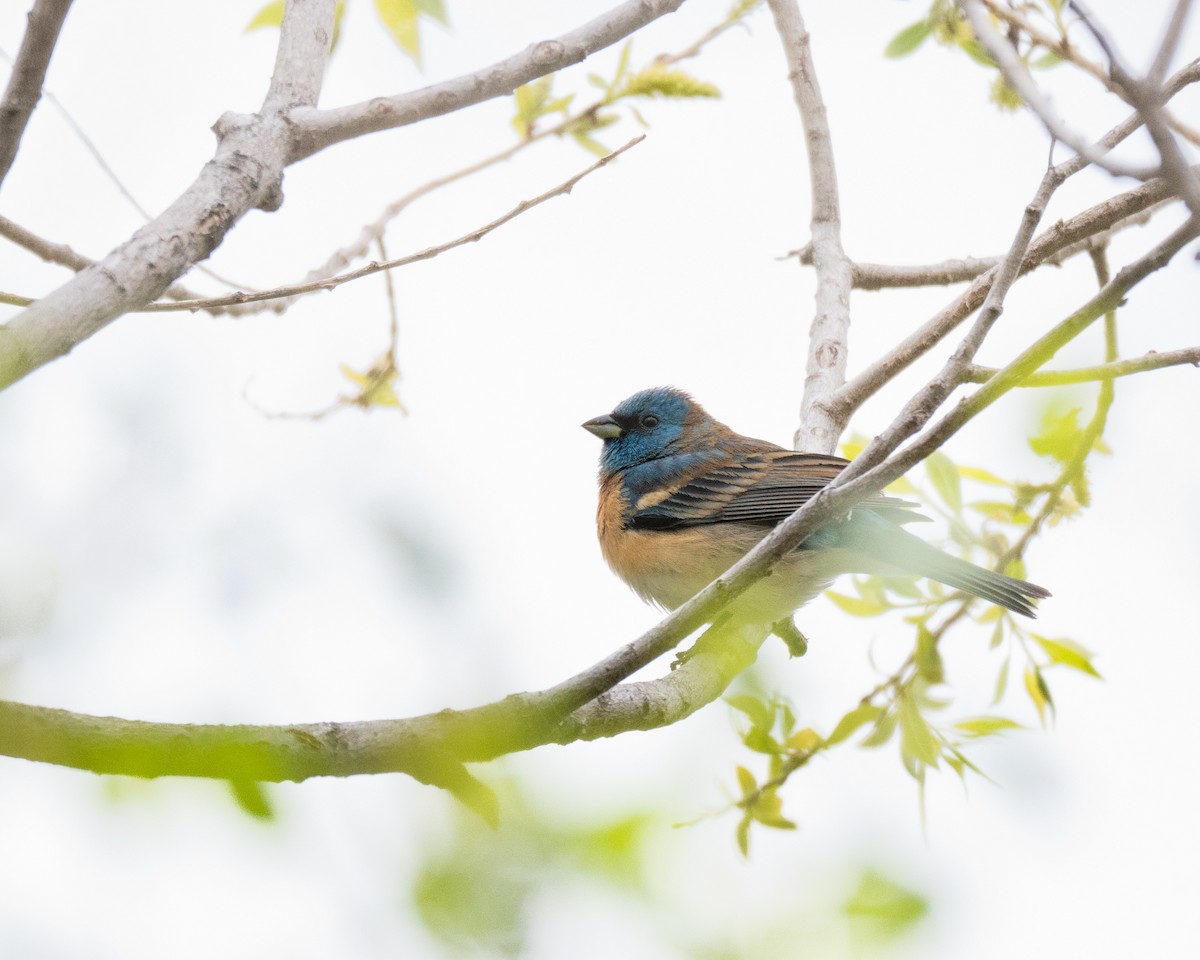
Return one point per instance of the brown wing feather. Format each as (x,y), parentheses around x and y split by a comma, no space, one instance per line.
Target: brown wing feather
(762,487)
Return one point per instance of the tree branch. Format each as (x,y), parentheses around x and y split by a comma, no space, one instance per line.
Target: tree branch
(245,173)
(314,130)
(431,747)
(1104,371)
(28,74)
(827,337)
(886,276)
(329,283)
(1147,98)
(1017,74)
(1063,48)
(64,256)
(1063,234)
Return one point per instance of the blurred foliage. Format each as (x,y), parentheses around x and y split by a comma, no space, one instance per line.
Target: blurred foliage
(882,909)
(475,890)
(482,890)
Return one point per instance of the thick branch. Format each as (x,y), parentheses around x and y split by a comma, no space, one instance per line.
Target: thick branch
(28,74)
(827,338)
(315,130)
(431,747)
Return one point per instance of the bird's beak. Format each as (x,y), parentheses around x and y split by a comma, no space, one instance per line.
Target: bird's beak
(605,427)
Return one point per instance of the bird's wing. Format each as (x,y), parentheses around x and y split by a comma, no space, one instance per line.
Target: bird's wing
(761,487)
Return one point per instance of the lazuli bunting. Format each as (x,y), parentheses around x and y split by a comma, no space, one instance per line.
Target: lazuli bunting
(683,497)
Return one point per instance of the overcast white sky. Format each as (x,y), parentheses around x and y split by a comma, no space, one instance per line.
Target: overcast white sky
(167,552)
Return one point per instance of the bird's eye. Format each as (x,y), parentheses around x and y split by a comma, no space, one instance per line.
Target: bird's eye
(649,421)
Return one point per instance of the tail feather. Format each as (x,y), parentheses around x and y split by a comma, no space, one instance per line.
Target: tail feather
(885,541)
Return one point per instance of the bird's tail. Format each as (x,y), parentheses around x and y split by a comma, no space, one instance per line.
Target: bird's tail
(879,538)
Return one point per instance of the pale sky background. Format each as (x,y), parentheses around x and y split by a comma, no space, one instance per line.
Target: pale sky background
(167,552)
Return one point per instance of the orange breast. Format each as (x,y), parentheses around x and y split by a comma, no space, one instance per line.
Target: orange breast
(668,567)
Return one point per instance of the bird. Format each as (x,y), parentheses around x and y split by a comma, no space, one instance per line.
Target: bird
(683,497)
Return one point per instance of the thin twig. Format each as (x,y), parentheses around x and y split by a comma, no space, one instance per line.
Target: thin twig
(64,256)
(374,267)
(371,232)
(887,276)
(1148,99)
(1017,74)
(28,74)
(1072,469)
(1101,216)
(1063,48)
(1104,371)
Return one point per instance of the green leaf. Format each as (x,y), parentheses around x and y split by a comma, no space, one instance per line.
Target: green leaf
(1001,512)
(846,727)
(659,81)
(530,99)
(761,714)
(943,474)
(983,476)
(1039,693)
(854,445)
(917,739)
(376,386)
(1001,683)
(251,796)
(787,719)
(590,144)
(904,586)
(975,50)
(986,726)
(1046,60)
(767,809)
(1059,437)
(885,907)
(907,40)
(1069,654)
(746,781)
(760,741)
(400,18)
(743,834)
(623,63)
(269,15)
(339,11)
(434,9)
(856,606)
(804,741)
(928,660)
(885,726)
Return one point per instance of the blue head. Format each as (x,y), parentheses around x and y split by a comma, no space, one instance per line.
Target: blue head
(651,425)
